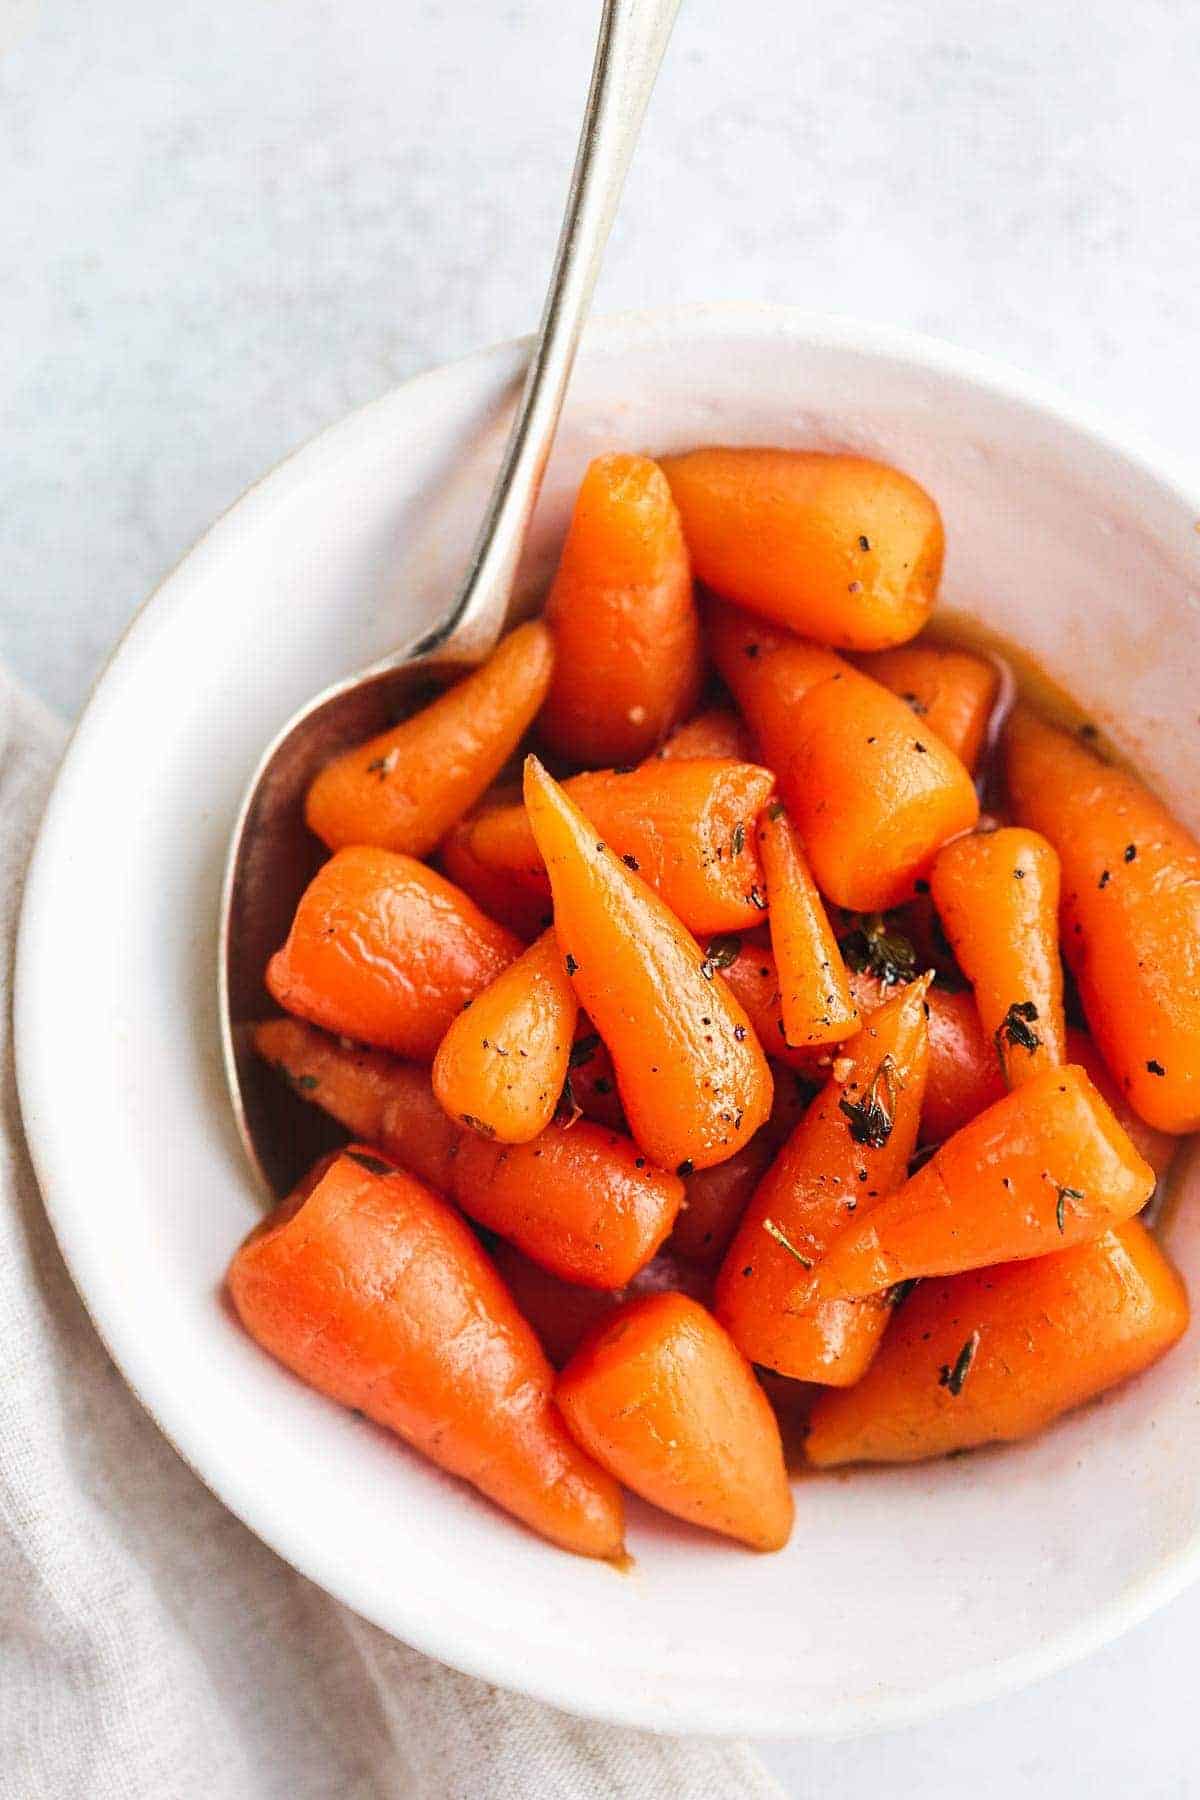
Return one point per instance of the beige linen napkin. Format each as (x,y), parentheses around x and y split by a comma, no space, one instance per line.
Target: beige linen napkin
(150,1647)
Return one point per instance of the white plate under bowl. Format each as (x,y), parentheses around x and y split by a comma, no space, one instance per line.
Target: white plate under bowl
(900,1593)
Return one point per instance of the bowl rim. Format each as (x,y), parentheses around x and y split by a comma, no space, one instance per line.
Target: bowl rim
(609,333)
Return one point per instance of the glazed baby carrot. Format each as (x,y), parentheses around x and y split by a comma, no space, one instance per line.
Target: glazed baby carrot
(501,1066)
(629,661)
(849,1150)
(1046,1167)
(1158,1147)
(716,1198)
(384,950)
(997,894)
(964,1070)
(999,1353)
(562,1314)
(718,732)
(663,1400)
(582,1201)
(815,1000)
(839,547)
(872,798)
(495,891)
(375,1292)
(686,826)
(768,671)
(748,967)
(1130,913)
(405,788)
(692,1078)
(951,691)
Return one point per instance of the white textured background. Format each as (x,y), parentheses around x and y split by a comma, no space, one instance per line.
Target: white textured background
(225,224)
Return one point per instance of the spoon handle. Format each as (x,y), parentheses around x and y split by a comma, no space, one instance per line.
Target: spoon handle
(633,37)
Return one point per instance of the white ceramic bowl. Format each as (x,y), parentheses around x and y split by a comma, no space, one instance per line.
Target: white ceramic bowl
(900,1592)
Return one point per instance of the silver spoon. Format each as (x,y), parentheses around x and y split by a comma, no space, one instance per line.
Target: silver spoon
(271,854)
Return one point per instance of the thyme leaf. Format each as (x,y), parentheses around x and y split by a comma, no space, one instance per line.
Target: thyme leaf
(953,1378)
(872,1117)
(1016,1028)
(722,951)
(781,1238)
(374,1165)
(873,949)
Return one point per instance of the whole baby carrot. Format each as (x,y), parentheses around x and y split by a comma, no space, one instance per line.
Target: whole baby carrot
(1046,1167)
(964,1070)
(629,660)
(693,1081)
(718,732)
(1130,913)
(951,691)
(375,1292)
(872,798)
(562,1314)
(850,1149)
(582,1201)
(405,788)
(686,826)
(495,891)
(716,1198)
(661,1397)
(1158,1147)
(815,999)
(839,547)
(997,896)
(501,1066)
(998,1353)
(385,950)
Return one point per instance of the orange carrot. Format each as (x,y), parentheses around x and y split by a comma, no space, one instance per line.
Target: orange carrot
(405,788)
(1158,1147)
(1130,913)
(951,691)
(964,1070)
(1001,1352)
(872,798)
(384,950)
(1044,1168)
(836,546)
(501,1066)
(718,732)
(768,671)
(750,970)
(562,1314)
(716,1198)
(815,996)
(663,1400)
(849,1150)
(495,891)
(692,1078)
(582,1201)
(686,826)
(375,1292)
(629,660)
(997,896)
